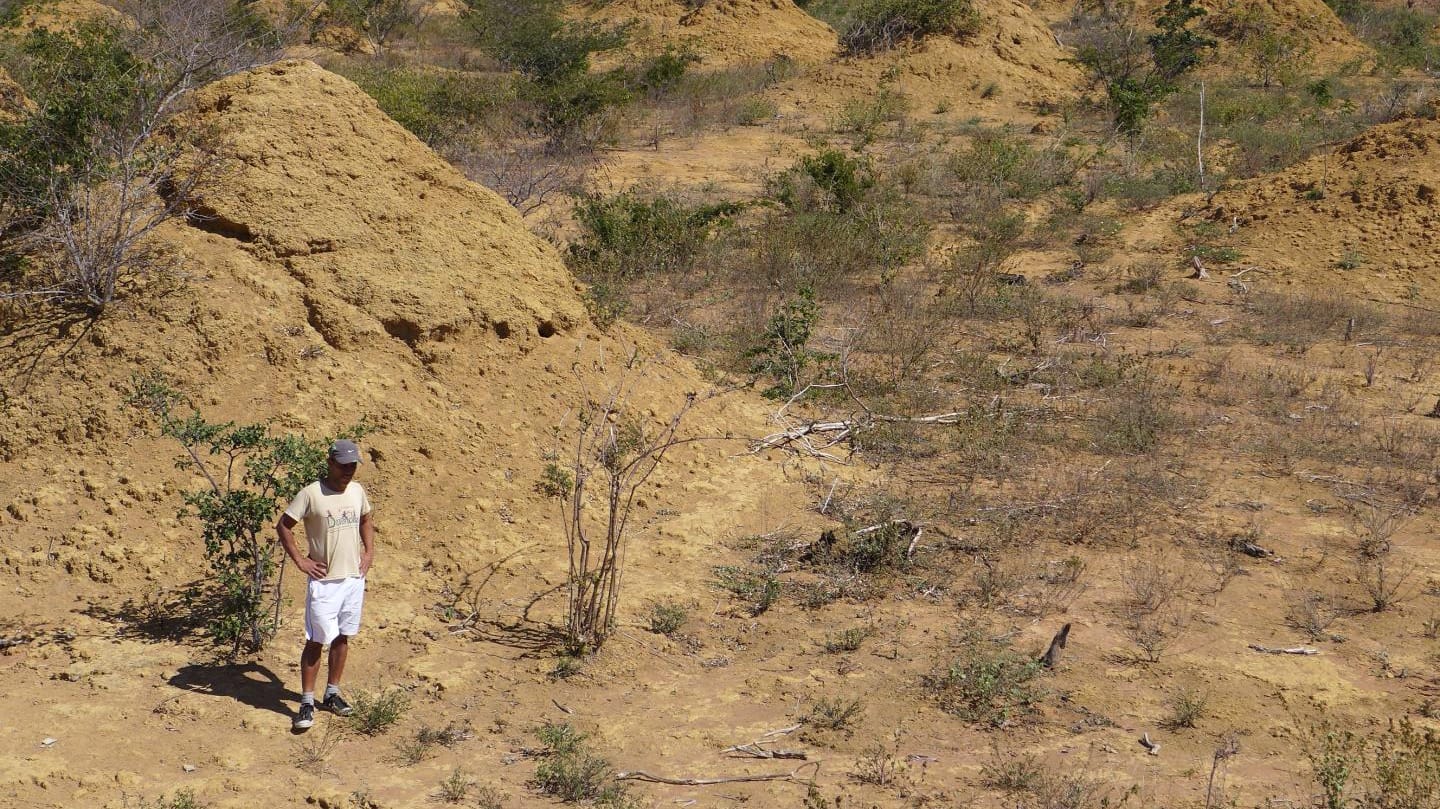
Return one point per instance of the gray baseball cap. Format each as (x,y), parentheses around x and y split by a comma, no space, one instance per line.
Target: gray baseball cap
(344,451)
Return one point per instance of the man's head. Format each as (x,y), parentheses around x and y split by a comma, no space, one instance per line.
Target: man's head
(342,462)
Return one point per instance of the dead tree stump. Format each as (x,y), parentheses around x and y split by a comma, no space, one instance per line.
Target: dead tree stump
(1052,655)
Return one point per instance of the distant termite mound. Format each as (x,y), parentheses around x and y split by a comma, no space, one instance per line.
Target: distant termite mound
(724,32)
(1360,219)
(1012,60)
(388,239)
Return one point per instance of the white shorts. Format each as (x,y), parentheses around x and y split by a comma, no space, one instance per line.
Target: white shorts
(332,608)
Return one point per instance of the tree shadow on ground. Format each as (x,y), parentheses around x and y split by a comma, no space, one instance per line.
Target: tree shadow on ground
(529,636)
(26,343)
(158,616)
(248,683)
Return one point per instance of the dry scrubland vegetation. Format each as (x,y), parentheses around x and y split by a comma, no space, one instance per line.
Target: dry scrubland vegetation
(1011,411)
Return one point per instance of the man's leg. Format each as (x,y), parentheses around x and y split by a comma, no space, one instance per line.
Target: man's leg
(309,672)
(310,665)
(339,650)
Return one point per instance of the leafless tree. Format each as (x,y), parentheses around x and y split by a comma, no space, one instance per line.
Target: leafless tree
(139,170)
(524,173)
(617,452)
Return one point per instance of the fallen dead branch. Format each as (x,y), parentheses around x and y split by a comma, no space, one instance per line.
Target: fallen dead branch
(756,751)
(814,438)
(1298,650)
(793,775)
(6,643)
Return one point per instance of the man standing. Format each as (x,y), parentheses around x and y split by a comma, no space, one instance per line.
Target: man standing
(341,537)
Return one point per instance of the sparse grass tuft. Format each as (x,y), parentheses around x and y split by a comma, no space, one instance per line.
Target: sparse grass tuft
(758,587)
(456,786)
(1187,706)
(848,640)
(834,714)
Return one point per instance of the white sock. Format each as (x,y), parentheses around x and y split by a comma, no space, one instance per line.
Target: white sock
(307,698)
(331,688)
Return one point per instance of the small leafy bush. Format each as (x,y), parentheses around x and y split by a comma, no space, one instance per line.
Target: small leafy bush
(571,773)
(377,712)
(987,683)
(666,617)
(883,24)
(236,516)
(781,353)
(760,588)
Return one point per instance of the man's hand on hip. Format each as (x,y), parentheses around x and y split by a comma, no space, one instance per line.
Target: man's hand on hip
(311,568)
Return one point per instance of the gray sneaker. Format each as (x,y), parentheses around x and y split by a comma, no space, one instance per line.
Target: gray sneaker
(306,718)
(337,705)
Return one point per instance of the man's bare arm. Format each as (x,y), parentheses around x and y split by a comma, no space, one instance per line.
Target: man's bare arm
(310,567)
(367,538)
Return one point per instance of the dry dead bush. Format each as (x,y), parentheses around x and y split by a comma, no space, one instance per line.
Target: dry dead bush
(1151,583)
(1385,580)
(1374,522)
(1311,612)
(521,170)
(1300,320)
(1153,634)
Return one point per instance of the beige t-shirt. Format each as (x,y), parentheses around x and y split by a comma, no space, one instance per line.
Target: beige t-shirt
(332,526)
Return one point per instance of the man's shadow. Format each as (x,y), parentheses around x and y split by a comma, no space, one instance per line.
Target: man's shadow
(250,683)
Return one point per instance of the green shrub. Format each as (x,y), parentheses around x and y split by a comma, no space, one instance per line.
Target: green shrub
(987,682)
(822,249)
(377,712)
(1111,51)
(781,352)
(882,24)
(435,106)
(666,617)
(1004,161)
(626,237)
(755,110)
(533,38)
(842,182)
(379,20)
(664,71)
(570,772)
(81,82)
